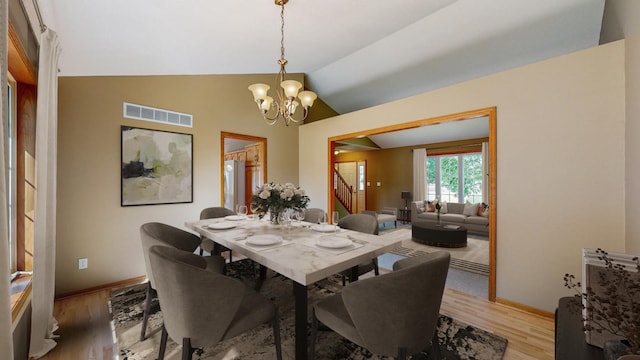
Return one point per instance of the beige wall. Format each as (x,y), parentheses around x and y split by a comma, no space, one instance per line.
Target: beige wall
(621,20)
(560,162)
(91,222)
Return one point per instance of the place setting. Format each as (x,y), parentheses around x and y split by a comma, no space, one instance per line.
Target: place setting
(261,242)
(332,244)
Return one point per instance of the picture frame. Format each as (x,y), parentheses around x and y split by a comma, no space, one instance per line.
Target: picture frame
(156,167)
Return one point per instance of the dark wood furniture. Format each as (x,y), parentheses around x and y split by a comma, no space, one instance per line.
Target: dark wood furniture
(404,215)
(570,339)
(439,235)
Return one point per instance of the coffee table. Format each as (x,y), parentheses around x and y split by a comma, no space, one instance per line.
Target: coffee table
(428,233)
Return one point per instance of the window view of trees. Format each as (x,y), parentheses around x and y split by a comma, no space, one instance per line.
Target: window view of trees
(450,176)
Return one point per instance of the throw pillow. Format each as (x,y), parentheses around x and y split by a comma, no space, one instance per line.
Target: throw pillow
(432,207)
(444,209)
(483,210)
(470,209)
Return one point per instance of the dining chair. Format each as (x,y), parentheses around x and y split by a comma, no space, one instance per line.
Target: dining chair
(207,244)
(155,233)
(395,314)
(202,308)
(312,215)
(366,224)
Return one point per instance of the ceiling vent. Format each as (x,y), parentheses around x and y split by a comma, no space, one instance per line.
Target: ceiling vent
(140,112)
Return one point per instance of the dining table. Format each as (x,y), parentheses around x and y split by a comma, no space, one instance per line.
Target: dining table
(301,251)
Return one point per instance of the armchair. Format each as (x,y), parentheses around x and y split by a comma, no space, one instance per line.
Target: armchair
(203,308)
(394,314)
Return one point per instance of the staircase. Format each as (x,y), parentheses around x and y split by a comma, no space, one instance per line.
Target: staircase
(343,191)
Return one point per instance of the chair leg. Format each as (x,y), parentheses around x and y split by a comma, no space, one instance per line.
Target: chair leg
(276,335)
(344,280)
(147,309)
(314,334)
(402,354)
(187,350)
(435,346)
(376,269)
(163,343)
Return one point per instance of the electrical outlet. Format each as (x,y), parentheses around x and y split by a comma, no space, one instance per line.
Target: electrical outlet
(378,183)
(83,263)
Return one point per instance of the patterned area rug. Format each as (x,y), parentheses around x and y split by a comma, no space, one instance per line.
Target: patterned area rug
(474,257)
(457,340)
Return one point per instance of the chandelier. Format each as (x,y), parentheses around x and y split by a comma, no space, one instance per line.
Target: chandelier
(286,105)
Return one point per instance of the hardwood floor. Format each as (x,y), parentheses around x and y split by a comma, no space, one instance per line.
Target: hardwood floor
(85,330)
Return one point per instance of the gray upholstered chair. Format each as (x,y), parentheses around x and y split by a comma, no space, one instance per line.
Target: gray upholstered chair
(388,214)
(209,245)
(395,314)
(155,233)
(366,224)
(312,215)
(201,308)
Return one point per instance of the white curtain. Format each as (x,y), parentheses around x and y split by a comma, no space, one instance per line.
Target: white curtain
(485,172)
(419,174)
(42,322)
(6,338)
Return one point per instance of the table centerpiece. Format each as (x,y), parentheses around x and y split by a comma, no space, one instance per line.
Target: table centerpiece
(276,199)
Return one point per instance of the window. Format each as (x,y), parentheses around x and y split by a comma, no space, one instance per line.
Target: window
(455,178)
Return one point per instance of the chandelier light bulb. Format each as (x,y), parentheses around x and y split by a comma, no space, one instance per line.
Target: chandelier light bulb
(307,98)
(291,88)
(259,91)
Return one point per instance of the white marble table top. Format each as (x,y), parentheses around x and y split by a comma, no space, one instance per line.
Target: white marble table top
(297,256)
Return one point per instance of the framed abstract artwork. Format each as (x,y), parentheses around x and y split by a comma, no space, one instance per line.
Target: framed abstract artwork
(156,167)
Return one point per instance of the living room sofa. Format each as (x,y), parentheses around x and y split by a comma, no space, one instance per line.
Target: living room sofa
(453,216)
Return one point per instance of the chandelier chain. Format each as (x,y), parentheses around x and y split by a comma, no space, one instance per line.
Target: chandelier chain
(282,32)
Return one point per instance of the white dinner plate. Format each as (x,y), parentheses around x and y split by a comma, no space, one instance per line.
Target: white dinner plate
(222,225)
(235,217)
(264,240)
(333,242)
(323,227)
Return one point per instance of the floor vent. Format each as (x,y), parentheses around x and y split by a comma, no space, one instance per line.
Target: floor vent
(140,112)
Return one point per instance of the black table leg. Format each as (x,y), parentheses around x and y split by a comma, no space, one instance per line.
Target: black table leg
(300,295)
(262,275)
(353,276)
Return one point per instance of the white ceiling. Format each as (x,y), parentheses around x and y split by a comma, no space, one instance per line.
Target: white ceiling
(355,54)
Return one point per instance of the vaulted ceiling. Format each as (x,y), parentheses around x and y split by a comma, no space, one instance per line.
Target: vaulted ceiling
(355,54)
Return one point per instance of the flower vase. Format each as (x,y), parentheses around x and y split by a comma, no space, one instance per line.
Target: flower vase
(277,217)
(438,217)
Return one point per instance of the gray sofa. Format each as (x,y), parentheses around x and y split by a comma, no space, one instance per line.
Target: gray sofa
(454,216)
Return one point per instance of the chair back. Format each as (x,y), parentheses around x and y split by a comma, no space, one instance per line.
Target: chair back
(155,233)
(312,215)
(399,309)
(215,212)
(196,303)
(360,222)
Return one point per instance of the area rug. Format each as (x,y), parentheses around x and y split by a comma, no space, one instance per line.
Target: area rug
(457,340)
(474,257)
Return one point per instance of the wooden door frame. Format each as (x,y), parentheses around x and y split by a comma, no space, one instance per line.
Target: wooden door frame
(257,139)
(491,114)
